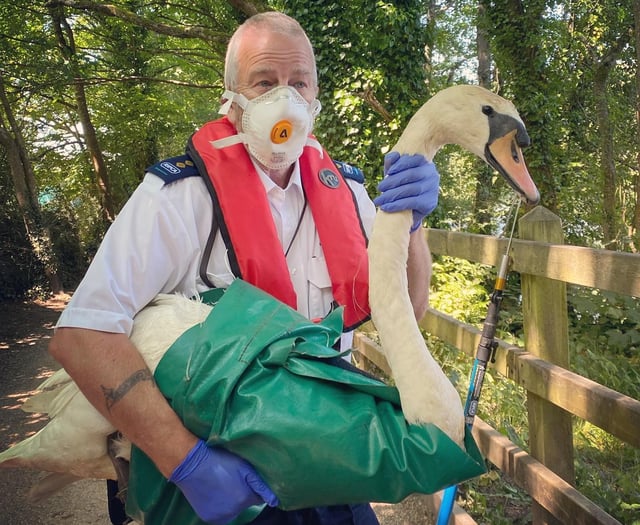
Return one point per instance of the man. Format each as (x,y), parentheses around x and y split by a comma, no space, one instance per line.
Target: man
(158,244)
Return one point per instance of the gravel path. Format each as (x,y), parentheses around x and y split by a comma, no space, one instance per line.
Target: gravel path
(25,329)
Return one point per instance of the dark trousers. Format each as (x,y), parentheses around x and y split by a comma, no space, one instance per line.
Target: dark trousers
(117,514)
(361,514)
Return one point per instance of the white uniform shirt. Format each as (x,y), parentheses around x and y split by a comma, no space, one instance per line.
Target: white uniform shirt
(157,242)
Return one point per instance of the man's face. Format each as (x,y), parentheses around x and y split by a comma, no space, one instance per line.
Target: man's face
(268,60)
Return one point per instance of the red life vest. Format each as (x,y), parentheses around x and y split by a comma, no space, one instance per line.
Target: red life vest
(242,212)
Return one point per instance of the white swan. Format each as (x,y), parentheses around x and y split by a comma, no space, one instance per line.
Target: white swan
(484,124)
(73,444)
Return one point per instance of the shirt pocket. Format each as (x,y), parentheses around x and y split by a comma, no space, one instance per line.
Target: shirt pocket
(320,292)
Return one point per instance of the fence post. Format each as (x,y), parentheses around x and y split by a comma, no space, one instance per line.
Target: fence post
(544,305)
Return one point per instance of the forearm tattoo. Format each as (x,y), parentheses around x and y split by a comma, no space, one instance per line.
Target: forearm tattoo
(113,395)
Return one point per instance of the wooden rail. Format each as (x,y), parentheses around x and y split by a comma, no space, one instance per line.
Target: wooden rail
(603,269)
(614,412)
(554,393)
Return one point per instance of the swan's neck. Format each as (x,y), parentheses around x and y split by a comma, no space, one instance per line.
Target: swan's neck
(431,127)
(426,394)
(422,142)
(423,134)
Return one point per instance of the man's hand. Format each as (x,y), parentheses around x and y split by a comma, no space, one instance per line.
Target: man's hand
(219,485)
(411,183)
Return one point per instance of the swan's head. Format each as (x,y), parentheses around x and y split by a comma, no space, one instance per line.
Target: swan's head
(481,122)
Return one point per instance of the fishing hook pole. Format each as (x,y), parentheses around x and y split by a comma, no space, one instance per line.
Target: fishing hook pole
(484,353)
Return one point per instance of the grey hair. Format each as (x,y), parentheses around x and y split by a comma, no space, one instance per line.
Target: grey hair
(272,21)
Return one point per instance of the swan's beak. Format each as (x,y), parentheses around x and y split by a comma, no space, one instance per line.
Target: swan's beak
(505,155)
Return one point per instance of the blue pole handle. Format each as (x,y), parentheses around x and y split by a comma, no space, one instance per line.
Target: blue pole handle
(446,507)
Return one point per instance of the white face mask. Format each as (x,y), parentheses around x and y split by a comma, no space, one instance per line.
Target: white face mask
(276,126)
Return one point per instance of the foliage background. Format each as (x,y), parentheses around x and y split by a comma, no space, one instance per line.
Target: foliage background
(150,74)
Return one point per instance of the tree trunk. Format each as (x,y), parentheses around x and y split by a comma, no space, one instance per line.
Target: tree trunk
(607,157)
(510,24)
(635,225)
(66,44)
(27,183)
(607,164)
(484,51)
(248,8)
(485,174)
(430,8)
(26,192)
(93,146)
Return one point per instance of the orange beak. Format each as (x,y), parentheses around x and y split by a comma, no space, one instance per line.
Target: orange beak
(505,155)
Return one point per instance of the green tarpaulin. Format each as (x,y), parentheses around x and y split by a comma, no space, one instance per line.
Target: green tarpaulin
(261,380)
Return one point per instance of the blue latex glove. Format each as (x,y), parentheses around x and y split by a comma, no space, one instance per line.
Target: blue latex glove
(411,182)
(219,485)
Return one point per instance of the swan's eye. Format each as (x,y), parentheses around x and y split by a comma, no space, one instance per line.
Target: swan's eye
(487,110)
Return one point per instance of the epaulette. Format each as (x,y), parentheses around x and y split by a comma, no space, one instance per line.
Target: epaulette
(175,168)
(350,172)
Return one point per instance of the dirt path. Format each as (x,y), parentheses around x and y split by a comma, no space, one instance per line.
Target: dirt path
(25,330)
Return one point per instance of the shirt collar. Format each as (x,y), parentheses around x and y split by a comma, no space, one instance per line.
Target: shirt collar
(294,182)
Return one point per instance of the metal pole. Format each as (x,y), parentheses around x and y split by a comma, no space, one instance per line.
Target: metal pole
(484,353)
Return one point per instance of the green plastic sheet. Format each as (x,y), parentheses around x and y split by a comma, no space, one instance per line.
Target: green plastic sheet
(261,380)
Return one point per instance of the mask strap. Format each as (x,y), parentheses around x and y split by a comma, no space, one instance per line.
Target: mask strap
(232,97)
(224,109)
(228,141)
(315,107)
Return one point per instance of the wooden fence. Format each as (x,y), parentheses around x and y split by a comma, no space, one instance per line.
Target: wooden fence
(553,392)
